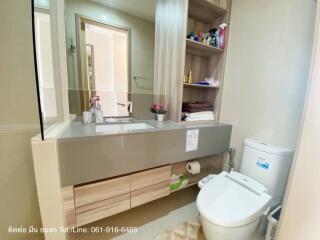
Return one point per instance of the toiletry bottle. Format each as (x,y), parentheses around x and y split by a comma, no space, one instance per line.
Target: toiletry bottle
(94,101)
(99,114)
(222,35)
(190,76)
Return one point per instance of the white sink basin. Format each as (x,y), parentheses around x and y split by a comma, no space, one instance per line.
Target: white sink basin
(122,127)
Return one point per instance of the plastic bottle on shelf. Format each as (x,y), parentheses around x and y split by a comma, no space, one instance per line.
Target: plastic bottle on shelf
(222,35)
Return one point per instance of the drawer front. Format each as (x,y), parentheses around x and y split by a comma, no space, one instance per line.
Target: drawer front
(149,194)
(102,209)
(68,206)
(99,191)
(150,177)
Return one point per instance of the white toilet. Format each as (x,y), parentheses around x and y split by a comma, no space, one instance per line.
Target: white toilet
(231,204)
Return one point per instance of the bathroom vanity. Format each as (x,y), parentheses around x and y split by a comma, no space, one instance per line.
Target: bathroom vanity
(87,172)
(102,174)
(99,174)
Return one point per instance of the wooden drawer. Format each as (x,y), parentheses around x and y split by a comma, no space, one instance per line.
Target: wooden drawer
(150,177)
(68,206)
(149,194)
(99,191)
(102,209)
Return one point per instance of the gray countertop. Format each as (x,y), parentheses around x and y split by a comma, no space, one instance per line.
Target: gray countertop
(86,155)
(79,130)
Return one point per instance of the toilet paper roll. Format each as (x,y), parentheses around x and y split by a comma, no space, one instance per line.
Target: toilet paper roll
(193,167)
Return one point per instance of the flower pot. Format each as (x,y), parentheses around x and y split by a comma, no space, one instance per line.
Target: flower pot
(160,117)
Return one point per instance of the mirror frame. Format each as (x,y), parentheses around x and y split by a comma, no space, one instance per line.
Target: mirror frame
(35,62)
(59,61)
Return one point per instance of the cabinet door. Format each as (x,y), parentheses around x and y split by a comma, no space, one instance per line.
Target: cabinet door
(99,191)
(150,193)
(150,177)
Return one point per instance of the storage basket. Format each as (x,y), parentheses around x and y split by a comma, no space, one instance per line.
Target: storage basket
(273,219)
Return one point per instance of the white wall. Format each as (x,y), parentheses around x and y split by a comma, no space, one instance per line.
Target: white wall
(19,121)
(301,214)
(267,70)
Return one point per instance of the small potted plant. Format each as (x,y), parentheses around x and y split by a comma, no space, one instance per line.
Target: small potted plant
(160,110)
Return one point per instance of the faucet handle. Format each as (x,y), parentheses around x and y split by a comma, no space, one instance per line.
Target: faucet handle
(121,104)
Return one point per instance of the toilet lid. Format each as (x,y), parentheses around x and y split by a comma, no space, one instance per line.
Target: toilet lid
(232,200)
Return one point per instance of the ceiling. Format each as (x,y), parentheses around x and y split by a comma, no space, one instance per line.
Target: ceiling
(140,8)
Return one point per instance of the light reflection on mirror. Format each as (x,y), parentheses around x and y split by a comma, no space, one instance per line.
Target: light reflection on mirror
(44,61)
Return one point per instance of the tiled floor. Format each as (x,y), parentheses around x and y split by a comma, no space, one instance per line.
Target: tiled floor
(152,229)
(180,224)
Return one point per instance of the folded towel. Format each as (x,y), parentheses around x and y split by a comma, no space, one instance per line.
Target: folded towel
(195,110)
(197,104)
(193,107)
(206,118)
(199,114)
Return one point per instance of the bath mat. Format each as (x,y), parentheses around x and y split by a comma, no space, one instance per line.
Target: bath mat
(190,230)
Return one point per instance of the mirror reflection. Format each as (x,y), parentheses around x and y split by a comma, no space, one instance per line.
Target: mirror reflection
(42,24)
(110,50)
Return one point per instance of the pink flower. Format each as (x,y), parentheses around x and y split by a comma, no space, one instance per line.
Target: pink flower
(159,108)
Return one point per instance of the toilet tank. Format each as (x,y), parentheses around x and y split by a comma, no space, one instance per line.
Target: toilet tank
(270,165)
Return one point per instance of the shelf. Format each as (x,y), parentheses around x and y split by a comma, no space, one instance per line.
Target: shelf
(198,122)
(201,49)
(188,185)
(199,86)
(205,11)
(209,165)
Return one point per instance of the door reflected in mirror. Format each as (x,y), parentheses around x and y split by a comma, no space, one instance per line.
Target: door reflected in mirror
(110,49)
(105,65)
(90,65)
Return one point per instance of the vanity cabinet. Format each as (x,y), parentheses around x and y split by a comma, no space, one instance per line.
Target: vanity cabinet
(150,177)
(90,202)
(150,185)
(102,199)
(99,191)
(99,210)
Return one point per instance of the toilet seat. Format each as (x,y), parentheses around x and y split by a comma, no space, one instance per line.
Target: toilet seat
(232,200)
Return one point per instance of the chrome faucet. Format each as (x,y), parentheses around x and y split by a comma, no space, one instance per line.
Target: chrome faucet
(129,106)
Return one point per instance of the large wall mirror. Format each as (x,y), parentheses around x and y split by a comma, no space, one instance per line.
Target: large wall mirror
(110,55)
(110,52)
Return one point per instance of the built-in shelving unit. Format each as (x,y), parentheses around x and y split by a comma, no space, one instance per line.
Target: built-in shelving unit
(205,61)
(209,165)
